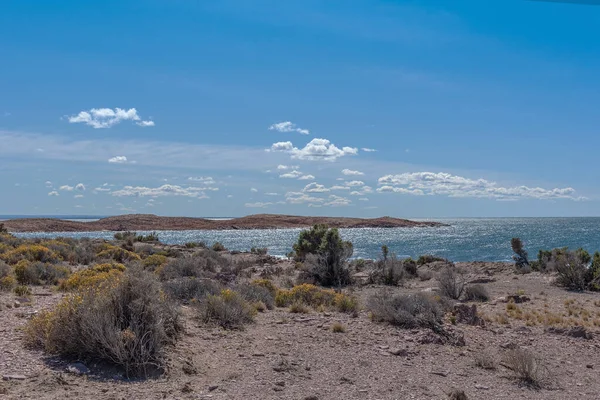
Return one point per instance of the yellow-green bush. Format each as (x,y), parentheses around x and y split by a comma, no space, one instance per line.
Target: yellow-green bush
(92,276)
(22,291)
(125,321)
(118,254)
(30,252)
(315,297)
(7,283)
(4,248)
(306,293)
(61,248)
(154,261)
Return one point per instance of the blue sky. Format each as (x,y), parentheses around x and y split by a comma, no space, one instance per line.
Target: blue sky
(228,108)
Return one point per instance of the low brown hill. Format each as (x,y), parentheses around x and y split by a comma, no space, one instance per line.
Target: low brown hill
(149,222)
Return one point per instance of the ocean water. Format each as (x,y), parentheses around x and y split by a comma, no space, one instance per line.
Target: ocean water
(473,239)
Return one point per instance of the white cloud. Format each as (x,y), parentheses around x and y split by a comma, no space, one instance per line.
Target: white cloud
(53,193)
(286,167)
(254,190)
(316,149)
(207,180)
(80,187)
(338,201)
(48,184)
(229,196)
(282,146)
(107,117)
(363,199)
(338,187)
(288,126)
(355,183)
(118,160)
(314,187)
(101,189)
(271,194)
(258,204)
(368,150)
(300,198)
(306,177)
(350,172)
(430,183)
(162,191)
(78,196)
(291,175)
(66,188)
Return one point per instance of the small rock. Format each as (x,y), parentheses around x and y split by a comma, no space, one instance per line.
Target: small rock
(16,304)
(258,354)
(590,366)
(399,352)
(14,377)
(482,387)
(78,369)
(213,387)
(280,383)
(440,373)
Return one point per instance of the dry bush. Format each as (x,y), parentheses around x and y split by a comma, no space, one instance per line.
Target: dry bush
(256,294)
(268,284)
(485,360)
(527,366)
(203,263)
(228,310)
(451,282)
(477,293)
(406,311)
(389,271)
(125,321)
(337,327)
(84,252)
(38,273)
(425,275)
(299,308)
(428,258)
(457,394)
(571,272)
(186,289)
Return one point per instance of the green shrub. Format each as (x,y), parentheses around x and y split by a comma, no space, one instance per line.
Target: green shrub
(328,264)
(259,251)
(217,246)
(125,321)
(428,258)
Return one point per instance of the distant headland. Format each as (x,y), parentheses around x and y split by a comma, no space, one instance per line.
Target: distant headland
(150,222)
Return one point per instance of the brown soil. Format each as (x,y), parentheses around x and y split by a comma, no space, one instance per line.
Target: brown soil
(149,222)
(297,356)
